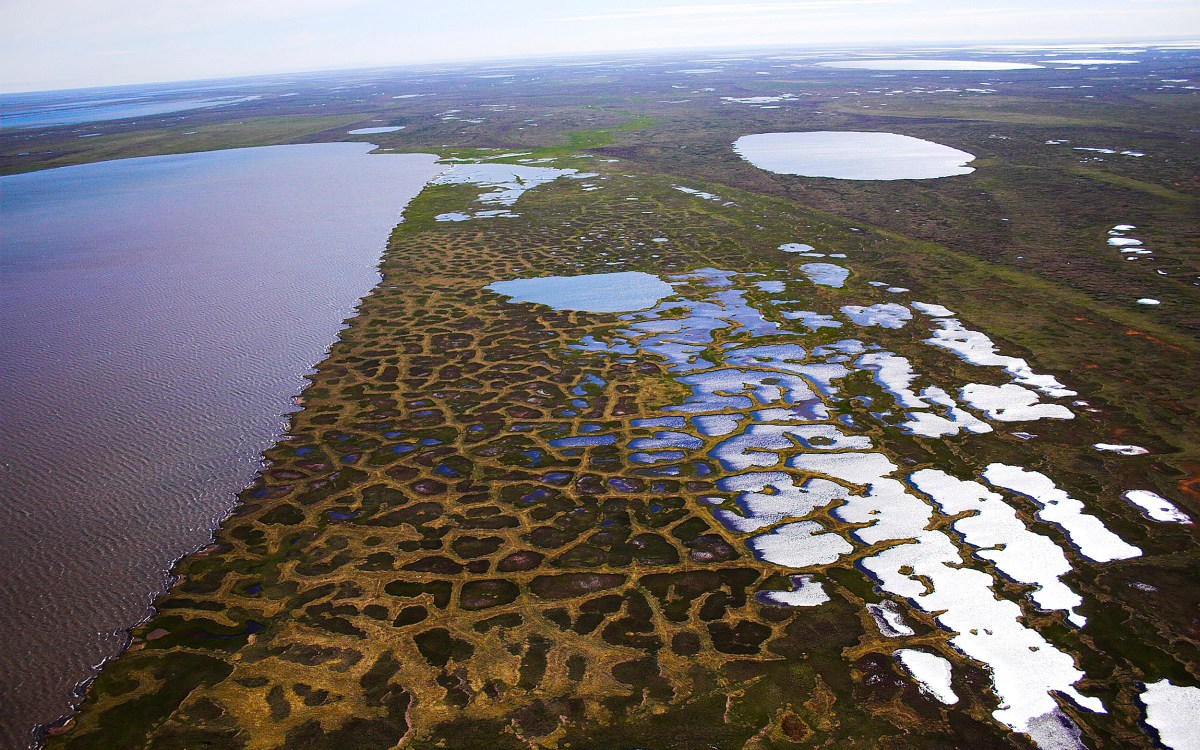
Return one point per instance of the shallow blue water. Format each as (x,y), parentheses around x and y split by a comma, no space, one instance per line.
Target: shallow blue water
(597,292)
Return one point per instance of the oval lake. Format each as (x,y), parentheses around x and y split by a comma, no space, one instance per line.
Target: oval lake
(851,155)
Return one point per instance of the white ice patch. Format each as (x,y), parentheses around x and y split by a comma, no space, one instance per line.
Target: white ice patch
(1156,507)
(1174,712)
(805,593)
(1086,532)
(799,545)
(887,510)
(759,99)
(884,315)
(998,535)
(1026,669)
(1011,403)
(888,619)
(1124,450)
(933,311)
(931,672)
(895,375)
(698,193)
(951,421)
(767,498)
(796,247)
(977,349)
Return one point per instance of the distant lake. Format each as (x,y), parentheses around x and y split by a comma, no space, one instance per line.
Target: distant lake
(372,131)
(852,155)
(76,112)
(910,64)
(158,317)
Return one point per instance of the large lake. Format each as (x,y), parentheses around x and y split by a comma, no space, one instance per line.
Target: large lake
(158,318)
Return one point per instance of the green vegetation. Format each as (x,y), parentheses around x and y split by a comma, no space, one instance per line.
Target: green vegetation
(606,136)
(1187,203)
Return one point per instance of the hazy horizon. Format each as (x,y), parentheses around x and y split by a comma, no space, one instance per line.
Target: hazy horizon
(67,44)
(997,47)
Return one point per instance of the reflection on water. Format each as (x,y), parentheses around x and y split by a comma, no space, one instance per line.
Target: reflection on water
(73,113)
(159,316)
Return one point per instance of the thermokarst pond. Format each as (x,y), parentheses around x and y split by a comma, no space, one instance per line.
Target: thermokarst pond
(600,292)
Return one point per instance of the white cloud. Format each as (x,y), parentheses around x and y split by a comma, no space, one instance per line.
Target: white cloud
(731,9)
(139,18)
(69,43)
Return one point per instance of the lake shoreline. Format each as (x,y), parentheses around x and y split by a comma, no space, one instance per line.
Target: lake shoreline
(107,264)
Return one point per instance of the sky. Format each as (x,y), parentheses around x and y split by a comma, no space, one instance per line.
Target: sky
(53,44)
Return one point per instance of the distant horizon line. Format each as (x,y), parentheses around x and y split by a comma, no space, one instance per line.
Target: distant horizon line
(998,45)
